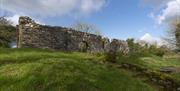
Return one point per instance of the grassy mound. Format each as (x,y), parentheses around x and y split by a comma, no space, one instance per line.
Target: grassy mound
(45,70)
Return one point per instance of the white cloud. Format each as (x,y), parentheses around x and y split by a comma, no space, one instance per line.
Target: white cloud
(151,15)
(148,38)
(52,7)
(171,10)
(88,6)
(14,19)
(152,40)
(154,3)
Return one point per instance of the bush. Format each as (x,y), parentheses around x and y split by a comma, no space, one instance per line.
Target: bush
(111,57)
(137,49)
(158,51)
(114,57)
(7,34)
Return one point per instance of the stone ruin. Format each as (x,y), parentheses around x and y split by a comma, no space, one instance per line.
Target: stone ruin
(33,35)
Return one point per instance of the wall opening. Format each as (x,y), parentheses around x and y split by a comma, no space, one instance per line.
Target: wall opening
(84,46)
(103,44)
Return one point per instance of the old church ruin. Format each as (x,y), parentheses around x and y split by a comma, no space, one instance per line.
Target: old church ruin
(33,35)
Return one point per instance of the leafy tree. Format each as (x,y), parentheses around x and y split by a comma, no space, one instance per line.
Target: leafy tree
(7,32)
(159,51)
(137,49)
(177,36)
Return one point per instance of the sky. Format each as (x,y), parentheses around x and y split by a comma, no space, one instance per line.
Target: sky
(121,19)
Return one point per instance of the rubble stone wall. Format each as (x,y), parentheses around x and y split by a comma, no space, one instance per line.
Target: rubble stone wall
(33,35)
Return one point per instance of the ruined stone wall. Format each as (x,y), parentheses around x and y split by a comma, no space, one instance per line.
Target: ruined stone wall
(34,35)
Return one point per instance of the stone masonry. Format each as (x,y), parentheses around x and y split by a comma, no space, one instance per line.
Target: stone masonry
(33,35)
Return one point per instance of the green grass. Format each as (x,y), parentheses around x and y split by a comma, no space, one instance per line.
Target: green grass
(154,63)
(46,70)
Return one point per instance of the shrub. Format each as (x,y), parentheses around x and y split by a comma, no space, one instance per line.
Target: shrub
(160,52)
(7,34)
(114,57)
(111,57)
(153,49)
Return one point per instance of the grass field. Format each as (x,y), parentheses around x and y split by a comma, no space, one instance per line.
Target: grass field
(155,63)
(46,70)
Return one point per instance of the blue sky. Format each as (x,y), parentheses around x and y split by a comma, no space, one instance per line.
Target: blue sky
(120,19)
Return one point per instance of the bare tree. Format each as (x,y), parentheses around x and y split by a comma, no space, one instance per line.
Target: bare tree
(88,28)
(174,33)
(4,21)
